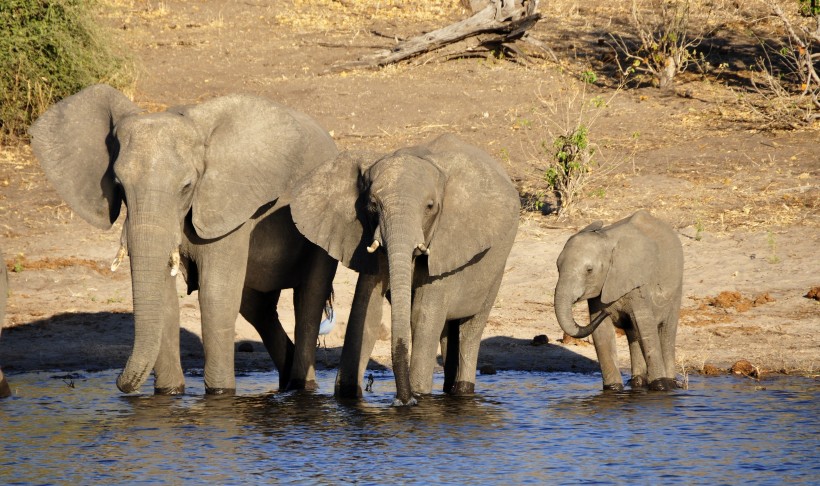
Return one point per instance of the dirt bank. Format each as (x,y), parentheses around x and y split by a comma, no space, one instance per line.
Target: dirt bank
(745,202)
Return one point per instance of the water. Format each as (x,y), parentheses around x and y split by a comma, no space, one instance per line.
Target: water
(543,428)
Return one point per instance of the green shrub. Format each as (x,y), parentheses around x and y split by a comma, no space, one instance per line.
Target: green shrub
(571,164)
(50,49)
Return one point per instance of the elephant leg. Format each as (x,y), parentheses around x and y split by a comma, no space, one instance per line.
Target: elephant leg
(464,354)
(606,349)
(449,347)
(168,376)
(360,337)
(5,390)
(427,321)
(650,342)
(221,281)
(309,302)
(259,308)
(668,333)
(638,379)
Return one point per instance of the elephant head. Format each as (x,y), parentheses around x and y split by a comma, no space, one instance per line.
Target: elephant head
(599,262)
(218,161)
(427,202)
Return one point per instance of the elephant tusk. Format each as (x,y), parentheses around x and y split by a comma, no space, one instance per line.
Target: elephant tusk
(373,246)
(174,262)
(423,249)
(118,259)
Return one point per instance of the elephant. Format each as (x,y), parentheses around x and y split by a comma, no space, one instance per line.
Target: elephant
(204,187)
(5,391)
(631,275)
(430,228)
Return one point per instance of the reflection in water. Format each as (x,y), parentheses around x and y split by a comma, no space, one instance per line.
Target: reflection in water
(522,427)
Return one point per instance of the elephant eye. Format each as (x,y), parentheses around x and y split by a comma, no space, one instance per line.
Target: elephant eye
(430,204)
(187,186)
(589,268)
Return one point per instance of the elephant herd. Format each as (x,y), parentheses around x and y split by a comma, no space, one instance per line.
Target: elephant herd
(246,197)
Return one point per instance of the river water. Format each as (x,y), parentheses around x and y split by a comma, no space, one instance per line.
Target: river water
(542,428)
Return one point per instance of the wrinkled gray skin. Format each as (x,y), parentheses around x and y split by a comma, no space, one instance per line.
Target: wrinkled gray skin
(631,275)
(5,391)
(205,180)
(433,225)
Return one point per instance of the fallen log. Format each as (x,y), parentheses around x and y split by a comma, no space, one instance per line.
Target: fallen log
(498,21)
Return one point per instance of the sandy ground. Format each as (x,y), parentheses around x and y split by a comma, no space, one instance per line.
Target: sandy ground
(744,201)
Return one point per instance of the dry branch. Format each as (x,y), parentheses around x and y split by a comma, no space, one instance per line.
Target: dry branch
(804,57)
(504,20)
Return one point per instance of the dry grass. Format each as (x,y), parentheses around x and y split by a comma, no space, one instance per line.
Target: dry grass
(355,15)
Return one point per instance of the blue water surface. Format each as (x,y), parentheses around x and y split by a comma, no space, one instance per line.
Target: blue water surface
(541,428)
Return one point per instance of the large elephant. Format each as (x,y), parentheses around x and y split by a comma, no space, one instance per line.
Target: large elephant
(202,187)
(428,226)
(631,274)
(5,391)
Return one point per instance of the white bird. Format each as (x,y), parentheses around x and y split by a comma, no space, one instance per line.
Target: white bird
(327,324)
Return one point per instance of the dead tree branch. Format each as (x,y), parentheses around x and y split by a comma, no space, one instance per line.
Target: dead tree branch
(505,20)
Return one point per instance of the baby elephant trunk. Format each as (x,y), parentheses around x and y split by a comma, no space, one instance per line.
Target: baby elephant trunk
(564,299)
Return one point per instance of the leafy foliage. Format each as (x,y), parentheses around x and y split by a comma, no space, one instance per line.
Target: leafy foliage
(51,49)
(809,8)
(572,161)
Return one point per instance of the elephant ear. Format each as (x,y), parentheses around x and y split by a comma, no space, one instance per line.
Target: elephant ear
(76,145)
(329,207)
(254,150)
(631,265)
(479,208)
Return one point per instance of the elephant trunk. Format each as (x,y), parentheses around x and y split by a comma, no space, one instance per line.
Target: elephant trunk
(564,299)
(150,247)
(401,243)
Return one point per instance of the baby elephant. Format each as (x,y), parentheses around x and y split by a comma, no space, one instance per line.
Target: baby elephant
(630,272)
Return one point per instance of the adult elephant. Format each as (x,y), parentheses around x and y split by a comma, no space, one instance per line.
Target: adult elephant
(5,391)
(430,227)
(631,274)
(202,187)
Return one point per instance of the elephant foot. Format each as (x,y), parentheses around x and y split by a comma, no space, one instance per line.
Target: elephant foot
(170,390)
(5,391)
(638,382)
(663,384)
(411,402)
(348,391)
(220,391)
(462,388)
(307,385)
(615,387)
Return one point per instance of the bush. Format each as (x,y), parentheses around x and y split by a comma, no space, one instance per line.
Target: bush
(50,49)
(571,164)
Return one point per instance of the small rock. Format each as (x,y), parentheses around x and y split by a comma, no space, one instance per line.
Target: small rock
(540,340)
(763,299)
(743,367)
(487,370)
(710,370)
(245,348)
(567,339)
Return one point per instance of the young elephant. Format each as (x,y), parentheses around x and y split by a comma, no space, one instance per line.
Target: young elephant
(5,391)
(630,273)
(430,227)
(202,186)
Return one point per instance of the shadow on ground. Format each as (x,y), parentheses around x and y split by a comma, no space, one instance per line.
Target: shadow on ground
(52,344)
(506,353)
